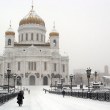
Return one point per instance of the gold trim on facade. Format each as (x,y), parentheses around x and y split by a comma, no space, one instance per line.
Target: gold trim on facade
(17,44)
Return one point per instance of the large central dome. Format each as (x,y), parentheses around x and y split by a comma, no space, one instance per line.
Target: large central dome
(32,18)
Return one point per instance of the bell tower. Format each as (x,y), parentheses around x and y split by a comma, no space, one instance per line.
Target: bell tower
(9,37)
(54,39)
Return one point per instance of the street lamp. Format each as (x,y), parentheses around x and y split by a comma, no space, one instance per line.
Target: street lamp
(81,85)
(1,79)
(88,77)
(74,78)
(8,75)
(51,83)
(52,76)
(14,77)
(95,76)
(71,78)
(62,83)
(59,76)
(81,80)
(55,85)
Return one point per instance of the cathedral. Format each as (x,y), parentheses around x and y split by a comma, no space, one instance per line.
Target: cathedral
(32,59)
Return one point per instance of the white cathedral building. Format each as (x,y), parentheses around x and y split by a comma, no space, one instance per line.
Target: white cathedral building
(32,59)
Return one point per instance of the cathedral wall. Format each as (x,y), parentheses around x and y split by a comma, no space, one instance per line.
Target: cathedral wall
(39,59)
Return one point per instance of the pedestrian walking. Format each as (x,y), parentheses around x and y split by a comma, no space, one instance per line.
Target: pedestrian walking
(45,91)
(63,93)
(28,91)
(20,98)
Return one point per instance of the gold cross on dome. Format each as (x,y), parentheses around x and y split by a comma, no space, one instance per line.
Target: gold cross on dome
(32,5)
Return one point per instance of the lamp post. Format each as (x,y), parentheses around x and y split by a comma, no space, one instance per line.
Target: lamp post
(51,83)
(95,76)
(59,76)
(81,85)
(74,78)
(1,79)
(14,77)
(52,76)
(8,75)
(62,83)
(88,77)
(71,78)
(55,85)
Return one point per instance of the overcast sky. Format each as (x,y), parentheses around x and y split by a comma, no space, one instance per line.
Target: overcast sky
(84,27)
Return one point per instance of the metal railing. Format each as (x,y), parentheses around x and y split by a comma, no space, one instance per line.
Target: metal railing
(99,95)
(6,97)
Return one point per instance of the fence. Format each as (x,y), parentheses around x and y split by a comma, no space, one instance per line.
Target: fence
(6,97)
(101,96)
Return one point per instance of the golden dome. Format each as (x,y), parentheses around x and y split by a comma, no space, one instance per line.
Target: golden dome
(10,32)
(32,18)
(54,34)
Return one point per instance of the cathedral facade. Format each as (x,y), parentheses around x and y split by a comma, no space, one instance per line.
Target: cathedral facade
(32,59)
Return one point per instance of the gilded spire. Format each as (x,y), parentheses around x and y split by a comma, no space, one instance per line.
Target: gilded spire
(54,25)
(32,5)
(10,31)
(31,11)
(54,32)
(10,23)
(32,17)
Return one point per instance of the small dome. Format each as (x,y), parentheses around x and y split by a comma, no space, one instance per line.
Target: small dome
(54,34)
(32,18)
(10,32)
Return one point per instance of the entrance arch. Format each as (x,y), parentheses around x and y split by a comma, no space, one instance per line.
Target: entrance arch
(45,80)
(32,80)
(19,82)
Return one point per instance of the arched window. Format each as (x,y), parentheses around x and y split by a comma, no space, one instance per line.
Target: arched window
(37,37)
(26,36)
(55,66)
(63,67)
(54,42)
(45,66)
(9,41)
(45,80)
(31,36)
(41,37)
(21,37)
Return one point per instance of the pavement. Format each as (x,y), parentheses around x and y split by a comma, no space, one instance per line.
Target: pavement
(39,100)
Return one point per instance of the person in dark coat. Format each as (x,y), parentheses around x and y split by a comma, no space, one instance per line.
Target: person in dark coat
(45,91)
(63,93)
(20,98)
(28,91)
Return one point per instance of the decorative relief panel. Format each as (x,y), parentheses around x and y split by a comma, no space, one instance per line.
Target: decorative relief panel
(37,75)
(27,74)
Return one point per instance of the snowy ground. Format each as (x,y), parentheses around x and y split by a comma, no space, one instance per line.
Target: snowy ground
(38,100)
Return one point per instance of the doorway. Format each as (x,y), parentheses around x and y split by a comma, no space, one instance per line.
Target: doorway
(32,80)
